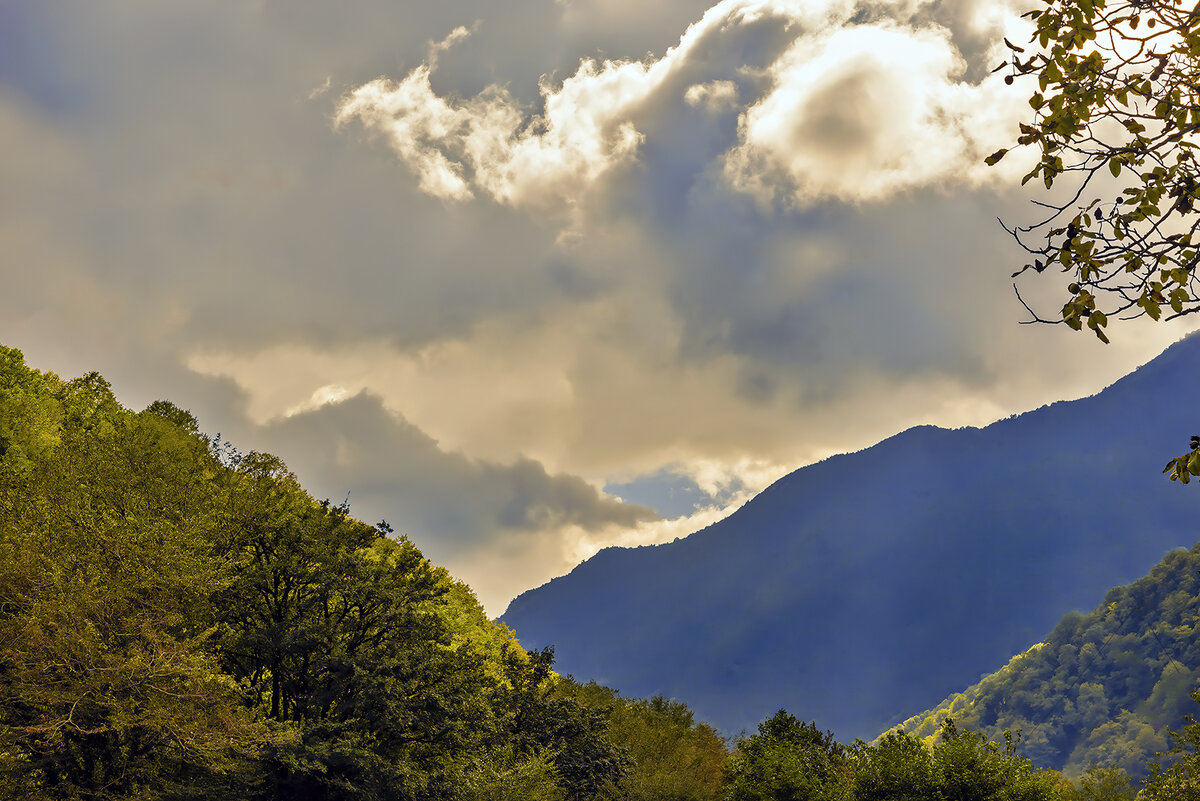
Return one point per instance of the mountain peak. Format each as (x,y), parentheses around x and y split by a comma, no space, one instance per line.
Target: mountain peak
(867,586)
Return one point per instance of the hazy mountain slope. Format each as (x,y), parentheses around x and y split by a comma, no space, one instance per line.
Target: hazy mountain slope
(1102,686)
(856,590)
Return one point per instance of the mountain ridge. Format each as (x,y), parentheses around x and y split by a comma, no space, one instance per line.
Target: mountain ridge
(755,603)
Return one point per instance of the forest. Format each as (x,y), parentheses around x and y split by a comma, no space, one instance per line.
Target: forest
(1102,687)
(179,619)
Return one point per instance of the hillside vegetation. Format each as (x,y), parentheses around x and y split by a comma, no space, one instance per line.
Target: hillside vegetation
(1103,687)
(181,620)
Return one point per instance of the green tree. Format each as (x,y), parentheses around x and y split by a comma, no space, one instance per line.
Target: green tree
(1176,775)
(332,630)
(786,760)
(1114,113)
(108,683)
(541,717)
(960,766)
(1109,783)
(897,768)
(969,767)
(674,758)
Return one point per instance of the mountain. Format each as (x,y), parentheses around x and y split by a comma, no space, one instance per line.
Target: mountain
(1103,687)
(858,589)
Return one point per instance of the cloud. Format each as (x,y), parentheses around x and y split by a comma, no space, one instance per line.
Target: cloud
(714,96)
(865,112)
(180,215)
(487,142)
(450,504)
(585,128)
(455,36)
(854,111)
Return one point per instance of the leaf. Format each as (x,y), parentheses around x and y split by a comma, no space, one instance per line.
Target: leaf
(994,159)
(1114,166)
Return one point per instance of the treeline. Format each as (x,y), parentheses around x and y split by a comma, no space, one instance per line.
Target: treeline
(787,760)
(1104,687)
(181,620)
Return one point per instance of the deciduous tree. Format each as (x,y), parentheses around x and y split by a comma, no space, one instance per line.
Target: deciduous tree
(1115,114)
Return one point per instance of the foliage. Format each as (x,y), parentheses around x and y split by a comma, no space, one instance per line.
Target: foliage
(1179,778)
(108,684)
(1115,113)
(674,758)
(179,620)
(791,761)
(538,717)
(786,760)
(961,765)
(1182,468)
(1102,686)
(1105,784)
(328,625)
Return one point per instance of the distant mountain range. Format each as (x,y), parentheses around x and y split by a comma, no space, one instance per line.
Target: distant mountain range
(868,586)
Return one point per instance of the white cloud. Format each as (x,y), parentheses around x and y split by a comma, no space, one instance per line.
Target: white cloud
(867,111)
(321,396)
(713,96)
(488,142)
(455,36)
(585,128)
(854,111)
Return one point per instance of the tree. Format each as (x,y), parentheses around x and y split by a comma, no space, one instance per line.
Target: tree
(1176,776)
(1115,114)
(1106,784)
(898,767)
(332,630)
(960,766)
(540,718)
(108,684)
(786,760)
(674,758)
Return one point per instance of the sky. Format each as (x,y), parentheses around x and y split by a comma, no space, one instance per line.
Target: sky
(529,279)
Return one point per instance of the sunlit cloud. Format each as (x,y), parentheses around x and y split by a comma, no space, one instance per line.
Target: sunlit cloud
(714,96)
(854,111)
(865,112)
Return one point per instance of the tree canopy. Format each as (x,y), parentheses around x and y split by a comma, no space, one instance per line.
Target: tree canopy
(182,620)
(1114,119)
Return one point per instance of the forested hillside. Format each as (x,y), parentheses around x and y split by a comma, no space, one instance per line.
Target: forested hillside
(1103,687)
(181,620)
